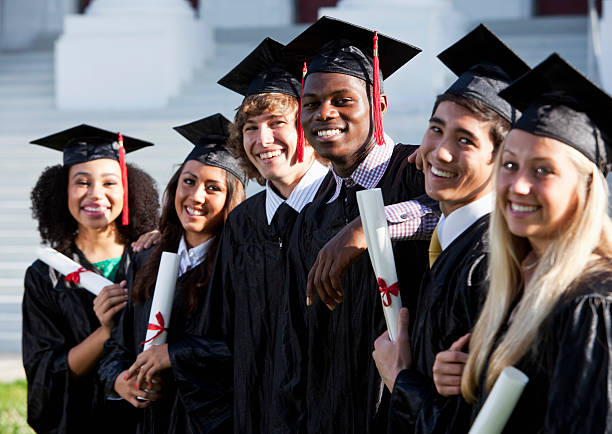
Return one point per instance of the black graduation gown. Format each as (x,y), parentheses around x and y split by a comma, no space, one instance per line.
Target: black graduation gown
(342,385)
(57,316)
(187,405)
(450,299)
(570,377)
(247,309)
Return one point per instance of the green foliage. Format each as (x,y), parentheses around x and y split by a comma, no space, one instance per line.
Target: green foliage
(13,408)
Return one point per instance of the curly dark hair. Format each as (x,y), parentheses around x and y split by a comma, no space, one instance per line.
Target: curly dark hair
(58,228)
(500,127)
(171,232)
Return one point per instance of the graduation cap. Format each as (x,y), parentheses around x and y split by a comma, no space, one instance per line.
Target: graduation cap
(265,70)
(85,143)
(268,69)
(485,66)
(335,46)
(209,135)
(559,102)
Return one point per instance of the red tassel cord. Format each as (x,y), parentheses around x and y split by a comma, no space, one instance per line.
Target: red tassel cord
(160,327)
(387,291)
(125,219)
(75,276)
(378,126)
(299,150)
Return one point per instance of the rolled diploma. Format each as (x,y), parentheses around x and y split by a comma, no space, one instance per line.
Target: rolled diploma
(89,280)
(374,222)
(501,402)
(162,298)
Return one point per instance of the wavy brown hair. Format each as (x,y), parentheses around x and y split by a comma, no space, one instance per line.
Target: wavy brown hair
(58,228)
(171,232)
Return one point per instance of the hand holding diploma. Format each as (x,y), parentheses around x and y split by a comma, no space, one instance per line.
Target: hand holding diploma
(74,272)
(391,357)
(372,211)
(501,402)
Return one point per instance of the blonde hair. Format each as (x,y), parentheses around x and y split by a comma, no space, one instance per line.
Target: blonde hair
(588,231)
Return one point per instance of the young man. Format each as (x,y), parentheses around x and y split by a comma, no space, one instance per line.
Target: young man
(246,307)
(341,112)
(468,124)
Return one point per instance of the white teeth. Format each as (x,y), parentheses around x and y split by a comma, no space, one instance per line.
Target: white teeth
(92,209)
(328,133)
(270,154)
(442,173)
(193,211)
(522,208)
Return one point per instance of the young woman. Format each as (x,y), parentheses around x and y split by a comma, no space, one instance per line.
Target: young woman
(549,307)
(165,379)
(80,211)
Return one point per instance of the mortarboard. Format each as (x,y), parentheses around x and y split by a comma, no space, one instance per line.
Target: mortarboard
(485,66)
(209,135)
(559,102)
(85,143)
(265,70)
(334,46)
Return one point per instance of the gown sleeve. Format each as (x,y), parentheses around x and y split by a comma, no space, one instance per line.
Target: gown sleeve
(579,398)
(45,355)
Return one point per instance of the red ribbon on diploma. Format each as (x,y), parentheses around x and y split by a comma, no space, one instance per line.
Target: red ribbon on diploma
(75,276)
(387,291)
(160,327)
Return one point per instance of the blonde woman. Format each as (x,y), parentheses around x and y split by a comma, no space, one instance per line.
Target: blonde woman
(548,311)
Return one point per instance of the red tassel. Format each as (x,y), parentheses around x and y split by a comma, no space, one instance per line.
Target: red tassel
(299,150)
(378,126)
(125,219)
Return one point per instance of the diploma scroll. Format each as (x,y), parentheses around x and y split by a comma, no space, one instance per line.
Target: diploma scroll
(501,402)
(91,281)
(374,221)
(161,306)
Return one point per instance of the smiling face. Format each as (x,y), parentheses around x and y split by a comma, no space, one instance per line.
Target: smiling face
(457,155)
(536,187)
(95,193)
(200,200)
(270,142)
(336,117)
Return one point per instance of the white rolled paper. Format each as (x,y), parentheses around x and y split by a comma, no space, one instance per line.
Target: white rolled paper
(91,281)
(161,306)
(500,403)
(374,222)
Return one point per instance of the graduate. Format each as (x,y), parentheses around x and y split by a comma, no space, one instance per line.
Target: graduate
(86,211)
(341,114)
(549,303)
(164,380)
(467,127)
(247,305)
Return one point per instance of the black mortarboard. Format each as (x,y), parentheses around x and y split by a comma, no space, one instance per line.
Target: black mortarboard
(265,70)
(485,66)
(332,45)
(559,102)
(86,143)
(209,135)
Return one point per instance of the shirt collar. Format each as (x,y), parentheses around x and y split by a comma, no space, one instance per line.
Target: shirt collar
(453,225)
(370,171)
(303,193)
(191,258)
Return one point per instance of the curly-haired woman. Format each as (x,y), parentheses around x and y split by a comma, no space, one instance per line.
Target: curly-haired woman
(81,212)
(166,380)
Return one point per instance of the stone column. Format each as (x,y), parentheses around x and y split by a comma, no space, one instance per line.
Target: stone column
(128,54)
(431,25)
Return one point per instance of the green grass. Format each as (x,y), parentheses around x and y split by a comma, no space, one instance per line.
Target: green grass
(13,408)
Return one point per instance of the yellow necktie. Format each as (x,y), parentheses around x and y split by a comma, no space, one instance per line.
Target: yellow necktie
(434,247)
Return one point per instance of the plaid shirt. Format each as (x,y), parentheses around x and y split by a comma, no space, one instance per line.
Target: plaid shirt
(406,220)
